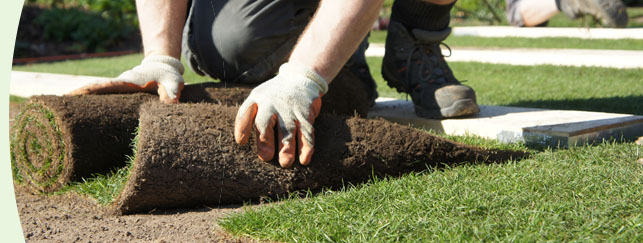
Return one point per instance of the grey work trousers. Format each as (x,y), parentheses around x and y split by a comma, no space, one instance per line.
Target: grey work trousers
(245,40)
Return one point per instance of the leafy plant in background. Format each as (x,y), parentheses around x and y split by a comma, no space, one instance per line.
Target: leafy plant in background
(120,12)
(92,25)
(633,2)
(88,31)
(491,11)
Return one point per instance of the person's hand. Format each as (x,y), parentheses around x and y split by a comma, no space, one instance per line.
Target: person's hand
(291,100)
(156,73)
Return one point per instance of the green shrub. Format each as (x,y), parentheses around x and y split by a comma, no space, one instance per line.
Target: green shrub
(120,12)
(90,25)
(633,2)
(88,31)
(491,11)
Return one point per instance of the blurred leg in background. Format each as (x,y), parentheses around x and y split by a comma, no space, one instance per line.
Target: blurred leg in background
(529,13)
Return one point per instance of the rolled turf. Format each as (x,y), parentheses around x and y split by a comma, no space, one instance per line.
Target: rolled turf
(186,156)
(57,140)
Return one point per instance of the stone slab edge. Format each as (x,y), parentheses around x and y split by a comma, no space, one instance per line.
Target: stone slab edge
(627,127)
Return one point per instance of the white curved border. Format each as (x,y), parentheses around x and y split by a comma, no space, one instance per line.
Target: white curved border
(10,228)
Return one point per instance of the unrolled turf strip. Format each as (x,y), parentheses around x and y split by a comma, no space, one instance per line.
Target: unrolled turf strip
(57,140)
(187,157)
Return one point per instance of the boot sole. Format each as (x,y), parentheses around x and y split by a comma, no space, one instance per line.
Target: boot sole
(459,108)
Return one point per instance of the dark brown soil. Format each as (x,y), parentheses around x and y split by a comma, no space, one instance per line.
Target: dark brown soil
(187,157)
(73,218)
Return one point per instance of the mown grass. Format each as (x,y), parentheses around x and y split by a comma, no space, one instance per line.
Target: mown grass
(580,194)
(101,67)
(561,20)
(555,43)
(543,86)
(517,42)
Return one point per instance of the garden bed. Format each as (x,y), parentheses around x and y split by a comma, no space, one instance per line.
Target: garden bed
(32,40)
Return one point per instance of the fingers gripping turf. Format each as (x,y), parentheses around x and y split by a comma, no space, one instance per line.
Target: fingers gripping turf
(291,101)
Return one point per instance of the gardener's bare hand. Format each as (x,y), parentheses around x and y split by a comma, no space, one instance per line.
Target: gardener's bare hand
(291,100)
(156,74)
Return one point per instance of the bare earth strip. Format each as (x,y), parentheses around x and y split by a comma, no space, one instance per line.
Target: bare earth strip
(72,218)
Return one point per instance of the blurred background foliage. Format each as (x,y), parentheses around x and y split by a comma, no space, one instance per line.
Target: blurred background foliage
(488,11)
(55,27)
(83,25)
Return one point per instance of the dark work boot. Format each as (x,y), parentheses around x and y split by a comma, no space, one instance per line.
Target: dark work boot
(610,12)
(413,63)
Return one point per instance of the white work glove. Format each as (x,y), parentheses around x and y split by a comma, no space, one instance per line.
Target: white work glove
(291,100)
(156,73)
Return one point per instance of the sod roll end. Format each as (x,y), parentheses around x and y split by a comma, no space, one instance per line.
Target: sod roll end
(56,139)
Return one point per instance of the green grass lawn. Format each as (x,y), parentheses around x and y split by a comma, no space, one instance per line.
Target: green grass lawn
(556,43)
(579,88)
(561,20)
(516,42)
(544,86)
(101,67)
(581,194)
(589,193)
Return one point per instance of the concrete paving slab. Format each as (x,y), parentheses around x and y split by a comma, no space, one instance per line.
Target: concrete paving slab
(539,32)
(536,56)
(27,84)
(534,127)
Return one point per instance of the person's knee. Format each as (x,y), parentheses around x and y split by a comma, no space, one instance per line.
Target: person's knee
(234,44)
